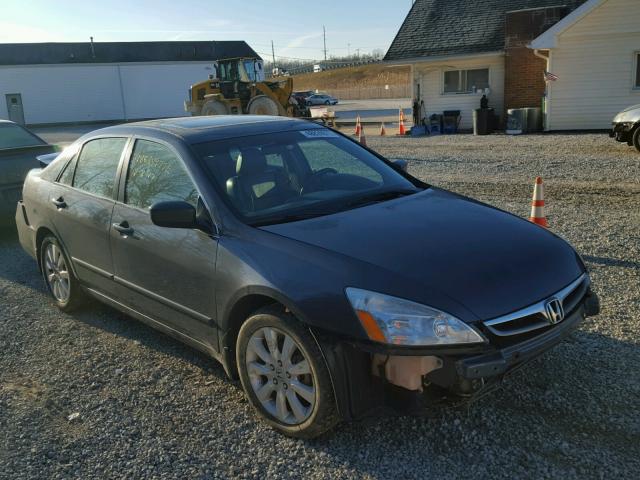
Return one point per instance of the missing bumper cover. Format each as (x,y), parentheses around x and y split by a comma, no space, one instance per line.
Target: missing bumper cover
(405,372)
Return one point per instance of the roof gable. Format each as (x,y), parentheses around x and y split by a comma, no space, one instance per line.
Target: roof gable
(549,38)
(458,27)
(121,52)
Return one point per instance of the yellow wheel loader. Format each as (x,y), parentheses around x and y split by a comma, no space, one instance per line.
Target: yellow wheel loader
(238,87)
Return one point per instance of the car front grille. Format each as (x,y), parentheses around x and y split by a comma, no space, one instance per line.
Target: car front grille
(532,320)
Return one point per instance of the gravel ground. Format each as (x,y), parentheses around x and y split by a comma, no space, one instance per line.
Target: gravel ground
(99,395)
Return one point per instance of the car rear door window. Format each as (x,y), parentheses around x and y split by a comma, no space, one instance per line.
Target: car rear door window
(156,174)
(97,166)
(67,175)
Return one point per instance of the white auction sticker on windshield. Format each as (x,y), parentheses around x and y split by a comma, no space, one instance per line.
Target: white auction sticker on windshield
(319,133)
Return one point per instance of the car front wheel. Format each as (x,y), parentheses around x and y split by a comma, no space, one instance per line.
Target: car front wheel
(636,138)
(284,375)
(60,280)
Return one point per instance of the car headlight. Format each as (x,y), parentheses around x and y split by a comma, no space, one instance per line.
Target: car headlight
(396,321)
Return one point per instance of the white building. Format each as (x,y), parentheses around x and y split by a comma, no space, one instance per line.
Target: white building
(42,83)
(595,52)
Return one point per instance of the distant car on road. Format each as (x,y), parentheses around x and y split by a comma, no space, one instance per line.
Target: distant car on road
(18,151)
(321,99)
(626,126)
(324,276)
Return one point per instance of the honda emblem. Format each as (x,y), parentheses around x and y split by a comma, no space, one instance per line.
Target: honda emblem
(554,311)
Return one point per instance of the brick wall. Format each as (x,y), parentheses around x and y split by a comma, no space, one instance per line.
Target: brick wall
(524,82)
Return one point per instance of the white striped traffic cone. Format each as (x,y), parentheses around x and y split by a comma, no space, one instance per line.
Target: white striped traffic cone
(401,129)
(537,204)
(358,126)
(383,131)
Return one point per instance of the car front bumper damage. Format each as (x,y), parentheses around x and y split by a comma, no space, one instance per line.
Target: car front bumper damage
(622,132)
(373,379)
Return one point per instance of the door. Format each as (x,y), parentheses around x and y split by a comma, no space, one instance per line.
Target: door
(82,201)
(14,108)
(168,273)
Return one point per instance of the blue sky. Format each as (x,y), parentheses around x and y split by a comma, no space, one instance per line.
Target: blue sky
(294,26)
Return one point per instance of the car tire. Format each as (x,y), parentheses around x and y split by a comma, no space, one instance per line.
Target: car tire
(58,276)
(290,388)
(636,138)
(327,102)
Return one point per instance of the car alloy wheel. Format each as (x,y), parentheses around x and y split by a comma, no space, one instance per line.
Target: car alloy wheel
(280,376)
(56,273)
(284,374)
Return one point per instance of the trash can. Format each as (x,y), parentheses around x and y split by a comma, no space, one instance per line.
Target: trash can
(483,121)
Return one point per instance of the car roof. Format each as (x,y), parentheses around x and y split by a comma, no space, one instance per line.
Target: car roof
(208,128)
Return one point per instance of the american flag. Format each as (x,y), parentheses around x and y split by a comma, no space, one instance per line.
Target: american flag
(550,77)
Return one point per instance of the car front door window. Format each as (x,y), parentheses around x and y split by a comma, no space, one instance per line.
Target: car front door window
(156,174)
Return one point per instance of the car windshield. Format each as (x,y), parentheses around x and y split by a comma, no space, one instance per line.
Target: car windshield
(288,176)
(14,136)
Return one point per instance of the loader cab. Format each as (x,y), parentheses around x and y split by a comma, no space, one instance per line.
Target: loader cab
(247,70)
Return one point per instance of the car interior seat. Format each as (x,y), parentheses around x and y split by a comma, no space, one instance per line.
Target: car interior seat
(256,185)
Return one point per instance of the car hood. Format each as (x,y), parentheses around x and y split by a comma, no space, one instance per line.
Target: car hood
(485,259)
(630,114)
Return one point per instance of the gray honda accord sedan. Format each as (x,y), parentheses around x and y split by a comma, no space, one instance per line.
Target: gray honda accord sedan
(330,281)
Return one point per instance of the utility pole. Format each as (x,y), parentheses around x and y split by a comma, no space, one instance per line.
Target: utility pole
(273,52)
(348,50)
(324,35)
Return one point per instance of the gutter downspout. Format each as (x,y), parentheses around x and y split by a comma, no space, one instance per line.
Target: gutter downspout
(545,115)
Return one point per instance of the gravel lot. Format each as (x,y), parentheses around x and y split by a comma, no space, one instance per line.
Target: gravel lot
(149,407)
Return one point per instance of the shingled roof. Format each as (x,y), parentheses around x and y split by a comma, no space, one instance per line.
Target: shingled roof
(121,52)
(458,27)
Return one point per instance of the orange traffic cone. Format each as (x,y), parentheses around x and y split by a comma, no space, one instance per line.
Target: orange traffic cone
(383,131)
(358,126)
(362,139)
(401,129)
(537,205)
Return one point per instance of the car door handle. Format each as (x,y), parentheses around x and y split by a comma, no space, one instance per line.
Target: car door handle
(59,202)
(123,228)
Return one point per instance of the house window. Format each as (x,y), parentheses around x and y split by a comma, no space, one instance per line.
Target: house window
(638,70)
(466,81)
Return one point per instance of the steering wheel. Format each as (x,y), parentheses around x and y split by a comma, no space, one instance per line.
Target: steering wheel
(314,176)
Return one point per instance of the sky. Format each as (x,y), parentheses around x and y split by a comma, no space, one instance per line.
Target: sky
(294,26)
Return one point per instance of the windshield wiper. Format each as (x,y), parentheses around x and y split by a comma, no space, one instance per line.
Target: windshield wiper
(380,197)
(292,217)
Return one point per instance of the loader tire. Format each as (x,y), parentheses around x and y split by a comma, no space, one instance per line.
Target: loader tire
(214,107)
(263,105)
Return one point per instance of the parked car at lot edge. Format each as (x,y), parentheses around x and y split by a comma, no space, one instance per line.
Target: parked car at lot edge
(325,277)
(321,99)
(18,151)
(626,126)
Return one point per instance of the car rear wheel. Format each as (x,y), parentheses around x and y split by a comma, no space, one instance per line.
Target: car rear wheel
(58,276)
(284,375)
(636,138)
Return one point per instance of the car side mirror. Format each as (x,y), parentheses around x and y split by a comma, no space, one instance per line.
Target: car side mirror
(174,215)
(401,164)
